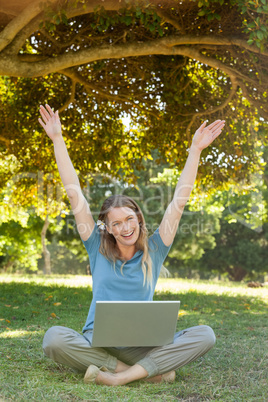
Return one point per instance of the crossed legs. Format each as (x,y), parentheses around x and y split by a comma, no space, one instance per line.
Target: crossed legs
(67,346)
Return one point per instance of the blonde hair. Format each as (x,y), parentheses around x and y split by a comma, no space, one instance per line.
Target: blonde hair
(108,242)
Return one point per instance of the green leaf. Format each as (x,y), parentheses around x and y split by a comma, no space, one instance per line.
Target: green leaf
(260,35)
(64,19)
(128,20)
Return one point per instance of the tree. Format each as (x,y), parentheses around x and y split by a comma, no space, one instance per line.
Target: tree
(167,64)
(241,244)
(239,251)
(20,243)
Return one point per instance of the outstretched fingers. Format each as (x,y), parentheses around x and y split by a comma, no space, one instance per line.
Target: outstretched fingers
(216,125)
(46,113)
(216,133)
(41,122)
(50,111)
(218,129)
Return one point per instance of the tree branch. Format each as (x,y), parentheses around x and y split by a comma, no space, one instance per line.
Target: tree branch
(19,22)
(176,40)
(212,62)
(92,5)
(8,11)
(81,80)
(33,25)
(5,140)
(71,97)
(188,129)
(31,58)
(163,46)
(167,18)
(259,105)
(213,110)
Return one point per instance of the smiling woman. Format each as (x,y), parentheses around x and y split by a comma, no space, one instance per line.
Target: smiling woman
(125,266)
(126,232)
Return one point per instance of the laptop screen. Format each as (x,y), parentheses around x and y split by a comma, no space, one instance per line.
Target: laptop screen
(134,323)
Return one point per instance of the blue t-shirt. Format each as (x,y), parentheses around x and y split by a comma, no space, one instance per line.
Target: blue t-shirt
(109,283)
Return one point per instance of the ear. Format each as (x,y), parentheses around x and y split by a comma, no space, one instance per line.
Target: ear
(108,230)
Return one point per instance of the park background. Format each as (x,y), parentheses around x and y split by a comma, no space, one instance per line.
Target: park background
(129,112)
(132,81)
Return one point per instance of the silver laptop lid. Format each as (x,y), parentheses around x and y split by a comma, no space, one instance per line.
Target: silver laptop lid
(134,323)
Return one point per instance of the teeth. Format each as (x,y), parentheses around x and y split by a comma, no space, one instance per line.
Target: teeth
(129,234)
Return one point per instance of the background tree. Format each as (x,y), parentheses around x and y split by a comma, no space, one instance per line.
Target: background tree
(164,64)
(239,251)
(167,64)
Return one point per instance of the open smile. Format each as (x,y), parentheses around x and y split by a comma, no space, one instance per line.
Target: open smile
(128,235)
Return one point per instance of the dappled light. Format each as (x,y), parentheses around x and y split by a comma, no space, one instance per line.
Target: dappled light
(15,334)
(238,315)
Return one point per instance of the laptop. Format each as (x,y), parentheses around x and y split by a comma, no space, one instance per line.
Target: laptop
(134,323)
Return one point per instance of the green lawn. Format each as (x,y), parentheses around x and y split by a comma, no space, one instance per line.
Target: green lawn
(235,370)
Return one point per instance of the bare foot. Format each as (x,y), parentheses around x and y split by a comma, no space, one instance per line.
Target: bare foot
(107,378)
(104,377)
(162,378)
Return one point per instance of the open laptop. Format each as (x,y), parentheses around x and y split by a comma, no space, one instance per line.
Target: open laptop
(134,323)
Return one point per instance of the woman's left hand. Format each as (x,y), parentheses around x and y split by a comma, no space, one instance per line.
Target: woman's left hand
(204,136)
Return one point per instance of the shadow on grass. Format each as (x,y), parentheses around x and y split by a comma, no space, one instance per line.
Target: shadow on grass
(33,308)
(234,367)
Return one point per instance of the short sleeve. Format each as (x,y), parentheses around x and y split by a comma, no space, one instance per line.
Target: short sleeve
(156,245)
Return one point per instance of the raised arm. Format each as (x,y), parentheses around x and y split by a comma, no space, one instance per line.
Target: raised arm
(203,137)
(51,123)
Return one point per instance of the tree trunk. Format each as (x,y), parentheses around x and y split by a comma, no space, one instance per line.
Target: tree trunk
(237,273)
(46,253)
(8,265)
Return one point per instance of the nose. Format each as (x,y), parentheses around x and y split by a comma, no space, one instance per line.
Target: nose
(125,226)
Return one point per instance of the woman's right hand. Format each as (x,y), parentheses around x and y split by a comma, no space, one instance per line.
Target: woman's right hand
(50,122)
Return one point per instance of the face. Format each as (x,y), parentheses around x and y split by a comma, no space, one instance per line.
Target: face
(123,224)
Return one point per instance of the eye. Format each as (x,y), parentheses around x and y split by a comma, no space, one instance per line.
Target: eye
(131,217)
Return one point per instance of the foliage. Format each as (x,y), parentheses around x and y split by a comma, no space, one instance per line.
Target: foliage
(20,246)
(67,251)
(224,232)
(254,21)
(239,251)
(228,228)
(166,65)
(241,244)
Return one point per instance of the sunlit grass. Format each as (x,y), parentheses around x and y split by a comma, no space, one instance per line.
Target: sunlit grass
(235,370)
(14,334)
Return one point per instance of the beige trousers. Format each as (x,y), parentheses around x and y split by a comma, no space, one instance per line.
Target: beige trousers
(66,346)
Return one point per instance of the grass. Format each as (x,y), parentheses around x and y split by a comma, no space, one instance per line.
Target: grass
(234,370)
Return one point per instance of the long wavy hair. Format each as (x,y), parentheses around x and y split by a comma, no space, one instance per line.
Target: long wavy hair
(108,242)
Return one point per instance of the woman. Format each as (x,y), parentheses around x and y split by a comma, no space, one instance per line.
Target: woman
(125,265)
